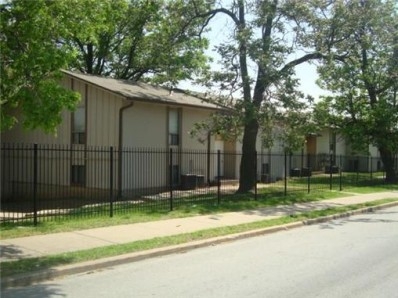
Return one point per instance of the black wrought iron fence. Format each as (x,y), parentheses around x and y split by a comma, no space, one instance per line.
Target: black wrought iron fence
(40,182)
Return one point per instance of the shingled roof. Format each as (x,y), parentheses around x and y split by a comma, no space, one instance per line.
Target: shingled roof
(144,92)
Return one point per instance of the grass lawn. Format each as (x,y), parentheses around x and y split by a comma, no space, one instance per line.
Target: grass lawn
(185,208)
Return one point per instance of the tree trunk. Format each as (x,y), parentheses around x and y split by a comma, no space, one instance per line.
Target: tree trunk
(247,178)
(89,58)
(387,158)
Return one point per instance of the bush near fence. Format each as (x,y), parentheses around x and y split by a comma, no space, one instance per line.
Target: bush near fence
(40,182)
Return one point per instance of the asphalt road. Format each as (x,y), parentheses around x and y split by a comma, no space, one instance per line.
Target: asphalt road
(352,257)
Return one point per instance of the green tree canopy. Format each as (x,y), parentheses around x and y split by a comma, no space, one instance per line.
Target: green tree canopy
(137,40)
(30,65)
(364,83)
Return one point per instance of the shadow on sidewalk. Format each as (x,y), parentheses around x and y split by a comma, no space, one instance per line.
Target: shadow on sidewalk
(9,252)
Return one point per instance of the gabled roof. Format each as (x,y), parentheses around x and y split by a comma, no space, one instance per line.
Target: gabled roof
(144,92)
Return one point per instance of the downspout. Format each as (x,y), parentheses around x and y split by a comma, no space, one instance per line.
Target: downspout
(120,161)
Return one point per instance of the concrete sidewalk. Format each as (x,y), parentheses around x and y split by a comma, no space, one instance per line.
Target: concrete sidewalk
(50,244)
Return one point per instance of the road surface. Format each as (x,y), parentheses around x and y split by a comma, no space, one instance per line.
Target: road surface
(351,257)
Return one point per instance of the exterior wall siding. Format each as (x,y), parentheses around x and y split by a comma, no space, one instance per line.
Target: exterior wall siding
(145,126)
(190,116)
(323,143)
(102,117)
(341,146)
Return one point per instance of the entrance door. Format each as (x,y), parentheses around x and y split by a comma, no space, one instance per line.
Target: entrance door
(230,160)
(311,151)
(311,145)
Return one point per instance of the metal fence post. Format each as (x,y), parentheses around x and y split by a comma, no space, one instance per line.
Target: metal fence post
(331,171)
(341,174)
(371,167)
(309,174)
(119,172)
(35,184)
(111,181)
(255,174)
(218,175)
(171,179)
(285,191)
(208,159)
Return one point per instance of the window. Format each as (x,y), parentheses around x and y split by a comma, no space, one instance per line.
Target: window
(78,175)
(174,127)
(79,126)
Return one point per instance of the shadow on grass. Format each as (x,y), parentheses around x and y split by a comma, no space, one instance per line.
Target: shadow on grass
(125,213)
(27,265)
(366,187)
(243,202)
(36,264)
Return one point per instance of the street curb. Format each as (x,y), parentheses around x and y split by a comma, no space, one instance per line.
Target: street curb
(47,274)
(88,266)
(349,213)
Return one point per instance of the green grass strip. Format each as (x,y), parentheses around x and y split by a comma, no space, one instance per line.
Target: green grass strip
(230,203)
(36,264)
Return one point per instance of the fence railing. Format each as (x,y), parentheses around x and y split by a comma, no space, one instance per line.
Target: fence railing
(39,182)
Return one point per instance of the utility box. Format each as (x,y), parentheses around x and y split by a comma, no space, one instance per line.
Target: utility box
(332,170)
(306,172)
(296,172)
(188,181)
(200,180)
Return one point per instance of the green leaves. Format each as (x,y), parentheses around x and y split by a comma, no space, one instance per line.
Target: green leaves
(364,81)
(157,41)
(42,106)
(30,64)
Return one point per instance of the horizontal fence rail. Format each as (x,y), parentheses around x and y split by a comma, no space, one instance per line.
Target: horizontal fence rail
(44,182)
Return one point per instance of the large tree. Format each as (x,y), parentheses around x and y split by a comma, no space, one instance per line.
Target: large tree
(273,37)
(364,102)
(154,40)
(30,65)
